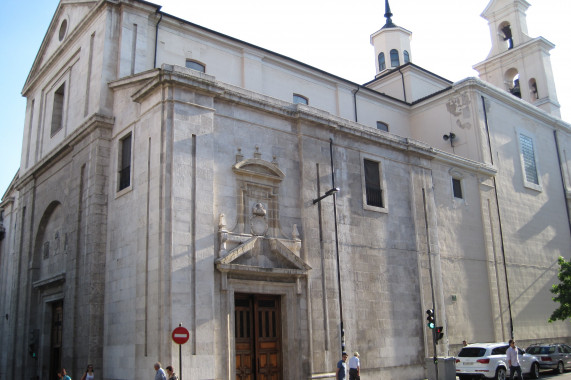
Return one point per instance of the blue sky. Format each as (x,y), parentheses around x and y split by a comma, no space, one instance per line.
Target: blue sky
(449,36)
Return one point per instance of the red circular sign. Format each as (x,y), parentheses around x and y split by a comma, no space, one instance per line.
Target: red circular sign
(180,335)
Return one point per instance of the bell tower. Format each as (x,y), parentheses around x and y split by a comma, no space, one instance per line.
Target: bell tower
(516,62)
(391,43)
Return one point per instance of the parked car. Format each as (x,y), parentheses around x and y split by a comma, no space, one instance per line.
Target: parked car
(555,356)
(488,361)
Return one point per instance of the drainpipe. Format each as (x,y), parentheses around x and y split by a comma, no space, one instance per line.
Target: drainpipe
(562,171)
(499,220)
(157,40)
(403,88)
(355,102)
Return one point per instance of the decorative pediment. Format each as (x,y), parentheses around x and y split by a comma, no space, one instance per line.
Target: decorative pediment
(259,168)
(263,256)
(259,257)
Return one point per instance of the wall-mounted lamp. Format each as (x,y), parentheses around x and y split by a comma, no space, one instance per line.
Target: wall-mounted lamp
(451,136)
(327,193)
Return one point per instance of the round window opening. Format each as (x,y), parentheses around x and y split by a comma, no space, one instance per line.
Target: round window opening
(62,29)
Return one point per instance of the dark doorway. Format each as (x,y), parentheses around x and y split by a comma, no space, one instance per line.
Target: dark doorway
(55,339)
(258,337)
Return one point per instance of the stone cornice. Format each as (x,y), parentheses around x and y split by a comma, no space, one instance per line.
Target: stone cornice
(181,76)
(523,49)
(92,123)
(49,282)
(465,163)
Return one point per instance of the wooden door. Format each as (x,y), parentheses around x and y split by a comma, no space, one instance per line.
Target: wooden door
(56,339)
(258,337)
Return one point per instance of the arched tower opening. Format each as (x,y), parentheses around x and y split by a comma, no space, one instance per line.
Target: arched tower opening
(511,79)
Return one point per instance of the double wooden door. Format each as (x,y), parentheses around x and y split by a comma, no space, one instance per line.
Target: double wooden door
(258,337)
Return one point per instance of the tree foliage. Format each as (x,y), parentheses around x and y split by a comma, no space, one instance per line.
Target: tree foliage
(562,292)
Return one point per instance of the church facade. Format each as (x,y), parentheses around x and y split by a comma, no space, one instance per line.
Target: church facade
(172,175)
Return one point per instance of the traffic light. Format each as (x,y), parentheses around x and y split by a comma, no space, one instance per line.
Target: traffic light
(33,343)
(439,333)
(430,318)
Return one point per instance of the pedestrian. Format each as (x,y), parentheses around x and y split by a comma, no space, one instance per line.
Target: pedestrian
(464,343)
(62,374)
(355,367)
(341,372)
(88,375)
(512,355)
(160,374)
(171,374)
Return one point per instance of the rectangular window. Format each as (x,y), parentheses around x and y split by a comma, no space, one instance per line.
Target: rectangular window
(528,158)
(457,188)
(373,190)
(57,110)
(125,163)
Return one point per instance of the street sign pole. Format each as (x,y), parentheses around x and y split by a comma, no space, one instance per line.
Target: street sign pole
(180,336)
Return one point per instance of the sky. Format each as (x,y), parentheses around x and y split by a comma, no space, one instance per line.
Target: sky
(448,38)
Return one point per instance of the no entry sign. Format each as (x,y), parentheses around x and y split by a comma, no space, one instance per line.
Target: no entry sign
(180,335)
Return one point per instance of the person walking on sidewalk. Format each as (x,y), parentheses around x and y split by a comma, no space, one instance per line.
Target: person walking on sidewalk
(341,372)
(512,355)
(355,367)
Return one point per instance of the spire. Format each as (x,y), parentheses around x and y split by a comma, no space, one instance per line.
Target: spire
(388,15)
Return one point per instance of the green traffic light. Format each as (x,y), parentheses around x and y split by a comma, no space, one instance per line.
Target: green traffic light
(430,325)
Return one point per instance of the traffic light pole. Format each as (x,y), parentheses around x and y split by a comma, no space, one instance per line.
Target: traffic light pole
(431,281)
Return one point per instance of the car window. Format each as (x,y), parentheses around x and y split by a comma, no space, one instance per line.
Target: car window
(559,349)
(472,352)
(535,350)
(551,350)
(500,350)
(567,349)
(521,352)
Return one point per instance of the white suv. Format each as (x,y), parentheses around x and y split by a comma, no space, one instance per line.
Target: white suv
(488,360)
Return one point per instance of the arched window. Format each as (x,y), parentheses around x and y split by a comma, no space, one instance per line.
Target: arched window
(534,95)
(511,78)
(190,64)
(395,62)
(382,65)
(506,34)
(406,56)
(300,99)
(381,125)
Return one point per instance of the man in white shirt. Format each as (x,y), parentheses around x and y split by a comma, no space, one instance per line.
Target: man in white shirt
(355,367)
(512,355)
(160,374)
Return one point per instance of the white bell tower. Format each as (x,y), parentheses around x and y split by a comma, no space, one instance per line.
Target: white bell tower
(518,63)
(391,43)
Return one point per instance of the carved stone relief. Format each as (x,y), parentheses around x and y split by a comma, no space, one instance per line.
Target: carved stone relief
(459,107)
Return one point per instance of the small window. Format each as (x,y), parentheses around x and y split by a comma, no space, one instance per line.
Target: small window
(57,110)
(125,162)
(457,188)
(529,163)
(406,56)
(395,61)
(382,64)
(299,99)
(373,190)
(190,64)
(382,126)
